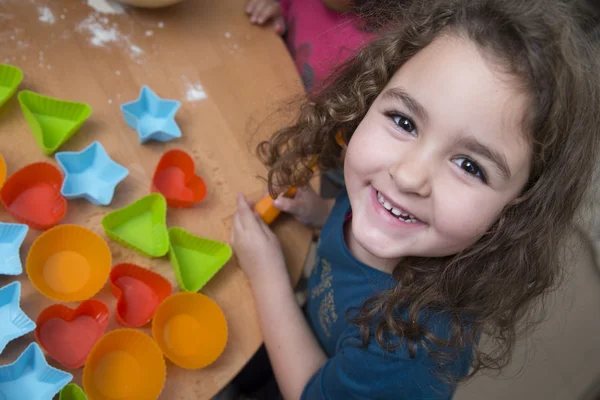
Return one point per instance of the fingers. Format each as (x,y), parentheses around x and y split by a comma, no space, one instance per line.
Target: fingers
(251,6)
(279,25)
(264,12)
(285,204)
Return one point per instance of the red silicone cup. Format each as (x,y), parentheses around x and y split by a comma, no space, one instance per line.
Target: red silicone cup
(176,179)
(68,335)
(139,291)
(32,195)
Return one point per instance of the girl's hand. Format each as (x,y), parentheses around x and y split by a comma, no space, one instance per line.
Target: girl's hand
(306,205)
(257,248)
(263,11)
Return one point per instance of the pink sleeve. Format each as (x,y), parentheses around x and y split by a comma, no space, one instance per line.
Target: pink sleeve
(285,8)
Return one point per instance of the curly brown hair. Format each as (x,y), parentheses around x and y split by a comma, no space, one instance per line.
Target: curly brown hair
(495,283)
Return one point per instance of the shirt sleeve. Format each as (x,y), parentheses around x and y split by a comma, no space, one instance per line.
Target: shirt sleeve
(374,373)
(285,8)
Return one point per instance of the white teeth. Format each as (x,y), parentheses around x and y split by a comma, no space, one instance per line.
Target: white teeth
(408,218)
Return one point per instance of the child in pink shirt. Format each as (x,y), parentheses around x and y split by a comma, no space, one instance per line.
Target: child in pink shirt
(320,34)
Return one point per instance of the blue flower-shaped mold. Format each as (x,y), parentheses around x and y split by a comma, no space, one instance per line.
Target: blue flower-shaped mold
(90,174)
(11,238)
(152,117)
(14,322)
(31,378)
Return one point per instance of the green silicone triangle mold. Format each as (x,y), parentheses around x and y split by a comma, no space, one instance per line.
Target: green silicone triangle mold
(10,78)
(72,392)
(141,226)
(195,260)
(51,120)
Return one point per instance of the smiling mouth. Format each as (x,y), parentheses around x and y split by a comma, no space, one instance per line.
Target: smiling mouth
(396,212)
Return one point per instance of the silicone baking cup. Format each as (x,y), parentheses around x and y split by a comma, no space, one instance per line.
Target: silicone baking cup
(151,117)
(125,364)
(32,195)
(68,263)
(52,121)
(176,179)
(141,226)
(195,260)
(31,378)
(14,323)
(90,174)
(138,291)
(68,335)
(11,238)
(190,329)
(10,78)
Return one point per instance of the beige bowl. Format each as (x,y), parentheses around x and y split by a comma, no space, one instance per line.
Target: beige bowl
(150,3)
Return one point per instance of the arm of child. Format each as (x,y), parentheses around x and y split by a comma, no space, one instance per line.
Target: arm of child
(294,352)
(264,11)
(293,349)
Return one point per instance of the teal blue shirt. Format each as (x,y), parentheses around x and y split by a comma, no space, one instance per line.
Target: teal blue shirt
(339,282)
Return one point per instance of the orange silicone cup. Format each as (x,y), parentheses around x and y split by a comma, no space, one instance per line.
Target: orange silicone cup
(32,195)
(139,291)
(68,335)
(190,329)
(176,179)
(124,364)
(68,263)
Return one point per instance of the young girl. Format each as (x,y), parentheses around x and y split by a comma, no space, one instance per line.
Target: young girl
(471,132)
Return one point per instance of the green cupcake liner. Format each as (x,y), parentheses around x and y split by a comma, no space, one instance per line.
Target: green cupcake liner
(72,392)
(10,78)
(140,226)
(51,120)
(195,260)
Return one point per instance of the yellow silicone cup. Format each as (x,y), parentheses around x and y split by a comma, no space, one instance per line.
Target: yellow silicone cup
(68,263)
(124,364)
(190,329)
(2,170)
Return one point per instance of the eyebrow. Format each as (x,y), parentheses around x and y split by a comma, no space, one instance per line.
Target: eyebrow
(477,147)
(398,94)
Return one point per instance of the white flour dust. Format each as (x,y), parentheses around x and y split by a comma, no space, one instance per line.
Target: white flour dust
(195,92)
(106,6)
(46,15)
(103,33)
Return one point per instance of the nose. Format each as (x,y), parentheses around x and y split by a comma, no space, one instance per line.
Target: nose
(412,175)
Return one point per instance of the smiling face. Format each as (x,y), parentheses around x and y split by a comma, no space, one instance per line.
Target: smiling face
(437,157)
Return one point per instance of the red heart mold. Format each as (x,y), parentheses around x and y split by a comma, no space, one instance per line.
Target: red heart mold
(68,335)
(138,291)
(32,195)
(176,179)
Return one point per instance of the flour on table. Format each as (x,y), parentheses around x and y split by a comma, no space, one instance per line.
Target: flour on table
(106,6)
(103,34)
(161,24)
(46,15)
(195,92)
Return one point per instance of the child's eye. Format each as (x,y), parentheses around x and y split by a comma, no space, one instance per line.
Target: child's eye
(471,168)
(402,122)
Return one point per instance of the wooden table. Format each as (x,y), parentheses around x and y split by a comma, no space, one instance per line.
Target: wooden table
(244,71)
